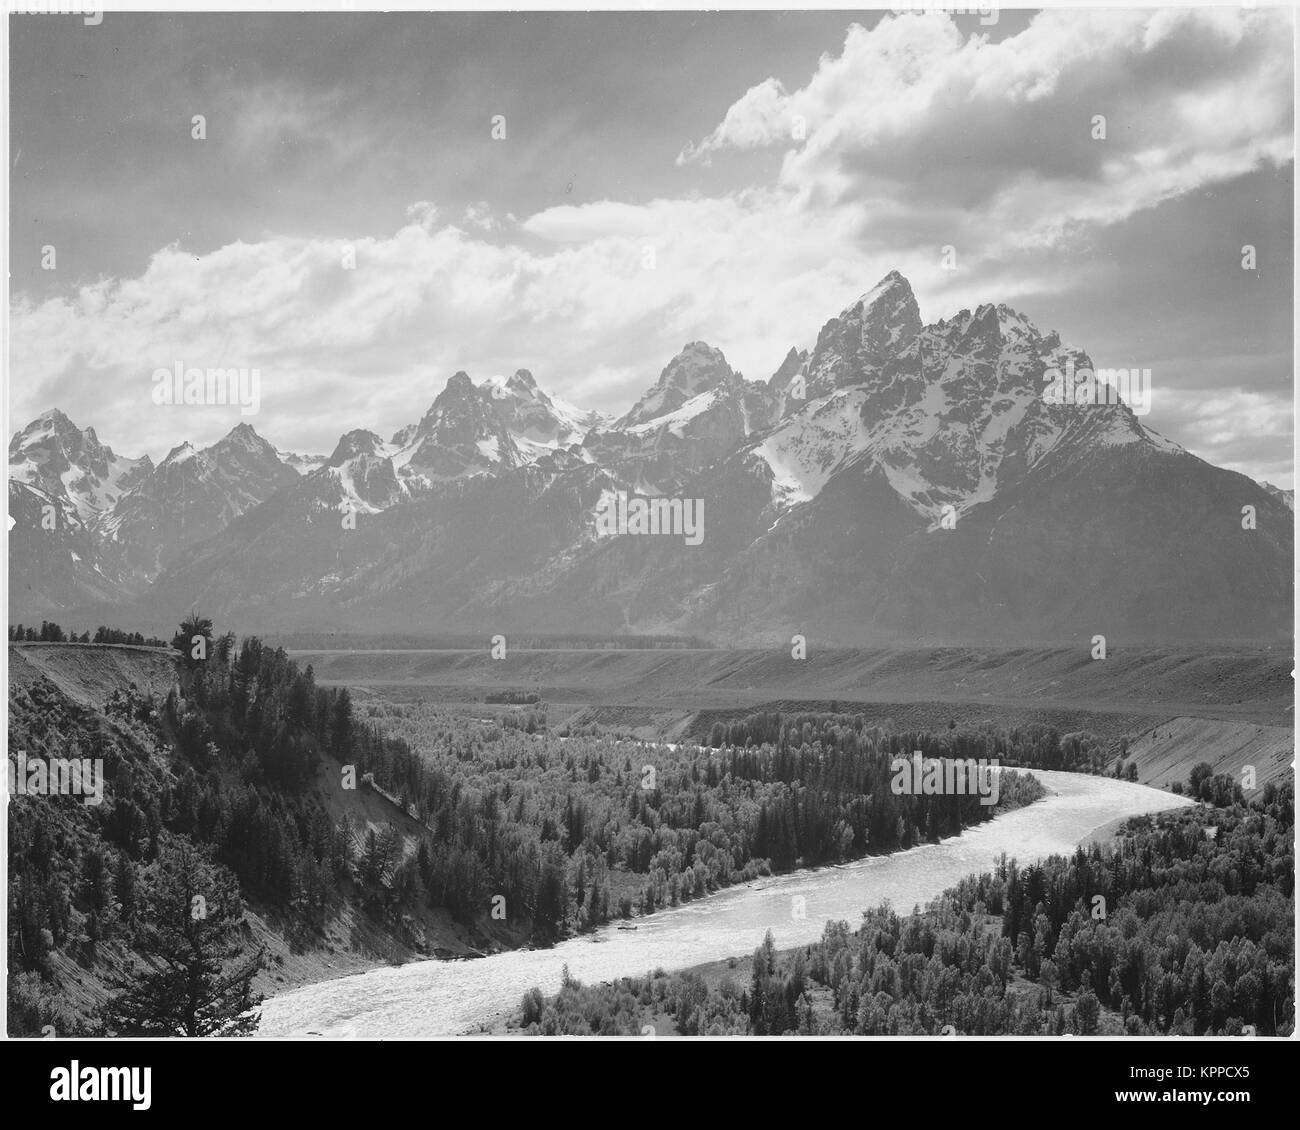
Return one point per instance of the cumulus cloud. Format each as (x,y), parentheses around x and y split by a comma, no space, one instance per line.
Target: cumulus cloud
(913,137)
(1189,97)
(579,309)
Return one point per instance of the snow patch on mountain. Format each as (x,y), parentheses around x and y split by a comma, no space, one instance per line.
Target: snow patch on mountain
(804,451)
(698,369)
(940,414)
(303,464)
(54,455)
(676,420)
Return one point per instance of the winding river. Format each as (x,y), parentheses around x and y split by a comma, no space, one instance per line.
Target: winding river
(437,998)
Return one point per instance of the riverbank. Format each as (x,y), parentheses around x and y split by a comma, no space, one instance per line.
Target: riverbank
(353,944)
(435,998)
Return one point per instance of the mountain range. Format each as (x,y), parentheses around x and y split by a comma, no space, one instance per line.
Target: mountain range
(896,481)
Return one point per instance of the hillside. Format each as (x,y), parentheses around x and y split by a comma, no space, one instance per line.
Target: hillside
(1166,752)
(75,869)
(89,674)
(1222,679)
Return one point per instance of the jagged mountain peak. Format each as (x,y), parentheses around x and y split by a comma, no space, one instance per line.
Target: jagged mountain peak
(461,434)
(500,424)
(947,414)
(458,396)
(52,420)
(852,347)
(521,387)
(240,446)
(524,380)
(697,369)
(243,434)
(53,429)
(784,391)
(359,441)
(133,517)
(71,465)
(835,498)
(892,290)
(183,452)
(537,422)
(788,369)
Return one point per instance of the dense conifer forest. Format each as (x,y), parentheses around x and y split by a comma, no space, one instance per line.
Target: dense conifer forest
(236,769)
(1183,926)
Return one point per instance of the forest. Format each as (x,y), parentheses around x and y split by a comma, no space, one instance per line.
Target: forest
(50,632)
(1183,926)
(644,826)
(233,777)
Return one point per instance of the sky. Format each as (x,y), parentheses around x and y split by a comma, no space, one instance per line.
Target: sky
(654,179)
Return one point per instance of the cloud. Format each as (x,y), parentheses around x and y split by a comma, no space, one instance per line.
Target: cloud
(1246,431)
(479,215)
(584,309)
(279,125)
(1006,130)
(762,117)
(914,137)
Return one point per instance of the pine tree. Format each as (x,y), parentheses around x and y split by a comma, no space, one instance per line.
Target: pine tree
(125,887)
(185,640)
(372,864)
(199,980)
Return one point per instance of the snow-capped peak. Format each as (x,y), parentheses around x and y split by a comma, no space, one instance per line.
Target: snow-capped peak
(70,464)
(243,437)
(698,369)
(363,471)
(852,347)
(940,415)
(303,464)
(890,291)
(500,424)
(359,441)
(182,453)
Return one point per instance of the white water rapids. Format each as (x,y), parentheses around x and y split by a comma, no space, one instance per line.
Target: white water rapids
(436,998)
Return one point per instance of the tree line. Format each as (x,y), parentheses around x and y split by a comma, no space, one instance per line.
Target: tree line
(50,632)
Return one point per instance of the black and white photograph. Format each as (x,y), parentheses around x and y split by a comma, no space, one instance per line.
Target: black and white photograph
(651,523)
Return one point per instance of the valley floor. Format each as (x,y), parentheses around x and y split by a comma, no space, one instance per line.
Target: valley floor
(1226,706)
(1175,706)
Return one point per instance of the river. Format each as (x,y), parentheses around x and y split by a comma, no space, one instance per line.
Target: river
(437,998)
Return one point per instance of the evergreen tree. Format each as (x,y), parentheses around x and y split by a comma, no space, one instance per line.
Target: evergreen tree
(199,981)
(186,640)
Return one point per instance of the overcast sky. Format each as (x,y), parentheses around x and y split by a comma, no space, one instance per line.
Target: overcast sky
(778,164)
